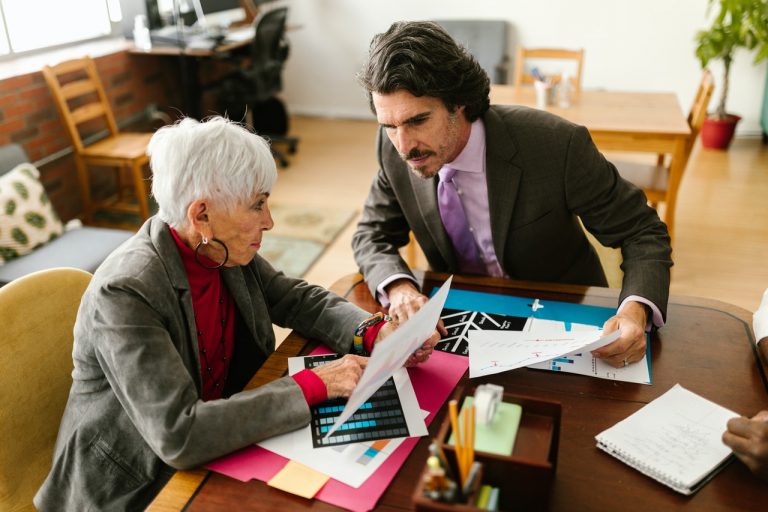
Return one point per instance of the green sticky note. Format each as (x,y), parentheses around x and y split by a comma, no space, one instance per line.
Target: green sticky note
(499,435)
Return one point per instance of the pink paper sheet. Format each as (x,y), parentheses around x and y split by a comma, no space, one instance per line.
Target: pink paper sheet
(432,381)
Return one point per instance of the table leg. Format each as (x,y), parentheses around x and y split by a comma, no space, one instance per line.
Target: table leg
(190,86)
(676,170)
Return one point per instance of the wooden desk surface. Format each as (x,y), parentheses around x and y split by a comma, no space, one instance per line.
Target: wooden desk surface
(707,346)
(171,50)
(656,113)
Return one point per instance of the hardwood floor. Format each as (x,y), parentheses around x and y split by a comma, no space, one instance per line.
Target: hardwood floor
(722,235)
(721,244)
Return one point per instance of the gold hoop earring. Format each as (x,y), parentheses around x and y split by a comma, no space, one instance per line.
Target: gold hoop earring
(204,241)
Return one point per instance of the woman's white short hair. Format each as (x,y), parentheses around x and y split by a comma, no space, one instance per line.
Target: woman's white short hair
(216,159)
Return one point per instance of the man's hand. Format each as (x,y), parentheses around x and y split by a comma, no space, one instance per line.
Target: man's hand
(340,377)
(748,438)
(630,346)
(421,354)
(405,300)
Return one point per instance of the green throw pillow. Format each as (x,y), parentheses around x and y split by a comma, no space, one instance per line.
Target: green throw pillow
(27,219)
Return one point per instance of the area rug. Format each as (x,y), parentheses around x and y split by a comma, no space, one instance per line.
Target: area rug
(300,236)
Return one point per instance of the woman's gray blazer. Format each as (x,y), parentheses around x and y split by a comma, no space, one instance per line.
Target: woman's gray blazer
(134,411)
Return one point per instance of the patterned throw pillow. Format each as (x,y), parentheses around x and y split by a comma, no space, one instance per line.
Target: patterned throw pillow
(27,219)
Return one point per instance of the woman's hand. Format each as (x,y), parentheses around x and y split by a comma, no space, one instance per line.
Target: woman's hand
(341,376)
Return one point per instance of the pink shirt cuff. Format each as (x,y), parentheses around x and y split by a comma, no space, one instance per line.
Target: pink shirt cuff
(382,295)
(656,318)
(312,386)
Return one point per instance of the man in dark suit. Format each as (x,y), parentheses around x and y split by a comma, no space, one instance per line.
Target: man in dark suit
(495,190)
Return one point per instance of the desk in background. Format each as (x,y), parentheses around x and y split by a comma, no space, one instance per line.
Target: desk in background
(707,346)
(189,59)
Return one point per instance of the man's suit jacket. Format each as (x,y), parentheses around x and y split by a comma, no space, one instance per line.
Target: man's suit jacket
(543,173)
(134,411)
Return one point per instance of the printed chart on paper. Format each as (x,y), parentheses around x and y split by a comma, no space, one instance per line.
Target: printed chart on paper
(381,417)
(466,311)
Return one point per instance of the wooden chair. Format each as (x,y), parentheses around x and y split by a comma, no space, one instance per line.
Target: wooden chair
(523,75)
(86,112)
(38,314)
(655,179)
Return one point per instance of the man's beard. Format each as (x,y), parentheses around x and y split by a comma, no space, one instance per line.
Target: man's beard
(421,172)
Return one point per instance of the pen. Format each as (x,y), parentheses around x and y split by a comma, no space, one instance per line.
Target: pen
(536,74)
(493,499)
(467,488)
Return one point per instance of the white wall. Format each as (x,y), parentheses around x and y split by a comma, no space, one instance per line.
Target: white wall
(629,45)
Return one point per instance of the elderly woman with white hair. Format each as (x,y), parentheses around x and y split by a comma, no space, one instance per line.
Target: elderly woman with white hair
(179,318)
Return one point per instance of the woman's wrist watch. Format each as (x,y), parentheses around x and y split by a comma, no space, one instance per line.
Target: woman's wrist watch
(363,326)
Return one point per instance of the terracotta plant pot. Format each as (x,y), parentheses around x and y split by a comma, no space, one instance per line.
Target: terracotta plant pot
(718,133)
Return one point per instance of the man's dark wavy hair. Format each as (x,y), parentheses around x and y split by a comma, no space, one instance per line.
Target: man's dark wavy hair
(421,58)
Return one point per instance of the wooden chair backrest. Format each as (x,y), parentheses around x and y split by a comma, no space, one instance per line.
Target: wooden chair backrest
(699,107)
(80,98)
(523,77)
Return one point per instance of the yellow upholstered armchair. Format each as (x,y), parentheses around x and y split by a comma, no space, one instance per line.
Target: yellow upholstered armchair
(37,315)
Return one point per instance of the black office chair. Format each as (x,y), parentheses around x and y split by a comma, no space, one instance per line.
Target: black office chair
(252,89)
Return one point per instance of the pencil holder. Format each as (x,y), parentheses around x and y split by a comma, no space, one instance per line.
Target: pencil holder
(524,477)
(422,501)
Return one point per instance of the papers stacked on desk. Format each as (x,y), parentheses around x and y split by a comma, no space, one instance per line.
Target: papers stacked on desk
(181,37)
(547,345)
(352,463)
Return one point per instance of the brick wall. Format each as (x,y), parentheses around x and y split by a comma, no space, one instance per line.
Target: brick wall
(29,117)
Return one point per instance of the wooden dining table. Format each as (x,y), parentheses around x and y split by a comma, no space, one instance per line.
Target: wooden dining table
(644,122)
(706,346)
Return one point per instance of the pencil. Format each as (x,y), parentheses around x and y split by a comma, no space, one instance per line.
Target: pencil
(465,447)
(454,413)
(471,440)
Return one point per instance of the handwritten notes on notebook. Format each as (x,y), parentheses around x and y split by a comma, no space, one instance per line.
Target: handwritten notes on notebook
(675,439)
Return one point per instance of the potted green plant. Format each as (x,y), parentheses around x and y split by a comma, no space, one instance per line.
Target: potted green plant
(738,24)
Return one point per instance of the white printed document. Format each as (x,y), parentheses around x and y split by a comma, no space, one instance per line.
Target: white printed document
(392,353)
(351,463)
(582,362)
(760,319)
(499,351)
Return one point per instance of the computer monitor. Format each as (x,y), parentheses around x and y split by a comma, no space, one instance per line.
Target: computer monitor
(219,13)
(132,8)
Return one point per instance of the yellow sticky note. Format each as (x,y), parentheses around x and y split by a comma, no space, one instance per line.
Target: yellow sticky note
(299,479)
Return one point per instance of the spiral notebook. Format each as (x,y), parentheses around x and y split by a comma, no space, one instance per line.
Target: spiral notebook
(675,439)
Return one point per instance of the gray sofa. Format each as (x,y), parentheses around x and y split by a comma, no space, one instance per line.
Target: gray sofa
(84,248)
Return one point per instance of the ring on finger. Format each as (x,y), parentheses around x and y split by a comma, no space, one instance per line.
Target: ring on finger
(625,362)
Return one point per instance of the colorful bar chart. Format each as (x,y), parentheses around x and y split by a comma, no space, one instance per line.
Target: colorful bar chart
(380,417)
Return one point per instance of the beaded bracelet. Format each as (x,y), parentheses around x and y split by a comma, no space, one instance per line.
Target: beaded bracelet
(363,326)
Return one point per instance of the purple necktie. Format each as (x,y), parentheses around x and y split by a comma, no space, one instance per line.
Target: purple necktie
(456,225)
